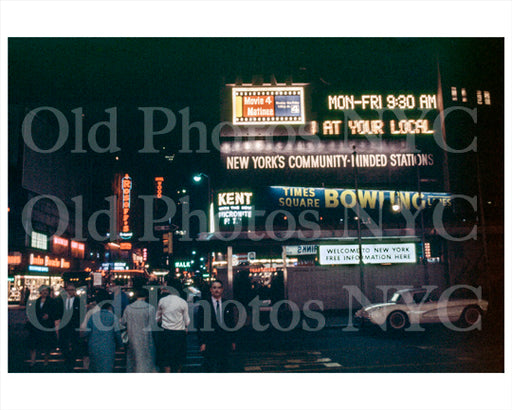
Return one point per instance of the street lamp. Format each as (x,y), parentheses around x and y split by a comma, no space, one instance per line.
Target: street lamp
(197,179)
(422,221)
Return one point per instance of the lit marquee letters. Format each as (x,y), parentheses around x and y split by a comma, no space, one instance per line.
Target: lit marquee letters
(126,184)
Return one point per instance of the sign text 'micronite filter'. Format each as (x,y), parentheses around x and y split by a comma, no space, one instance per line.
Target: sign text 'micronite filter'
(268,105)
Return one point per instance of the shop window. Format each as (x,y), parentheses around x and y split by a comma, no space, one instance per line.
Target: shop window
(463,95)
(77,250)
(487,98)
(479,99)
(39,241)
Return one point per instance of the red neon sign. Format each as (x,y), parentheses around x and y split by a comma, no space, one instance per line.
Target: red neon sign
(60,241)
(126,184)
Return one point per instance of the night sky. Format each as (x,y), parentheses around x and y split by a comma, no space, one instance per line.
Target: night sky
(176,73)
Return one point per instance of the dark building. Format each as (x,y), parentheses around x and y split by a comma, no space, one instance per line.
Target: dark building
(321,172)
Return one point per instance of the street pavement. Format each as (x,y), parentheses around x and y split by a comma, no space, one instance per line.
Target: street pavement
(334,348)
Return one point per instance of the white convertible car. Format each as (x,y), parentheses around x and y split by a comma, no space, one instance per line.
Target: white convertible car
(409,308)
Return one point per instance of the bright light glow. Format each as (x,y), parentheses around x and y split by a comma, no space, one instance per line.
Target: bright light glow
(60,241)
(197,178)
(160,272)
(39,241)
(212,219)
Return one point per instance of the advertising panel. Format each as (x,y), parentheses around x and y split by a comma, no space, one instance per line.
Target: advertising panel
(383,135)
(234,208)
(325,198)
(268,105)
(379,163)
(372,254)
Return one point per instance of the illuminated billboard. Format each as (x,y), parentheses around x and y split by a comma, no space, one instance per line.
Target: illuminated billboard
(268,105)
(126,186)
(326,198)
(380,163)
(372,254)
(391,114)
(234,208)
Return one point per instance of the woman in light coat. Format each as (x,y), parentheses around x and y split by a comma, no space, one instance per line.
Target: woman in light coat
(139,319)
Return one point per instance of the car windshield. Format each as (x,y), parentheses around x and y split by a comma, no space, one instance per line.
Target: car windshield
(396,298)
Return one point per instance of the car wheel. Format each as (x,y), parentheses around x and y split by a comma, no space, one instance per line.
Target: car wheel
(471,316)
(397,320)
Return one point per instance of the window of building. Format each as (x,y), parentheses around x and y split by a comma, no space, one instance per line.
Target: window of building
(487,98)
(77,249)
(479,99)
(464,95)
(454,93)
(39,241)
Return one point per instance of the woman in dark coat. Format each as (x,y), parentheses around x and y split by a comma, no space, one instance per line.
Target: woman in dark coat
(104,335)
(41,315)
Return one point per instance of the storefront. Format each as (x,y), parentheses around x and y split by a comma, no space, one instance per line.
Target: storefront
(19,283)
(28,271)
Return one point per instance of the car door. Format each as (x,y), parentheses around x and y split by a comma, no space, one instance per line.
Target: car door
(423,308)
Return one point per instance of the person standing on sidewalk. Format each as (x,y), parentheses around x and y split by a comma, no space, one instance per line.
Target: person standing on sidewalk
(120,299)
(68,325)
(172,315)
(41,324)
(215,319)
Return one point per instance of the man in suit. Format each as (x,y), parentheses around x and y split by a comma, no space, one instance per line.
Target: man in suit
(68,325)
(216,319)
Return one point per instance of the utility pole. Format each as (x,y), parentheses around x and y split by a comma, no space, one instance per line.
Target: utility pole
(358,207)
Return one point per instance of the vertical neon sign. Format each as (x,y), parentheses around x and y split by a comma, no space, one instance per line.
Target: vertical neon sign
(126,186)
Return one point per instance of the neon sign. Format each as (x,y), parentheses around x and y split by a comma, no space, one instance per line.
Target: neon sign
(77,245)
(126,185)
(14,259)
(268,105)
(234,207)
(325,198)
(353,124)
(37,260)
(379,102)
(60,241)
(183,264)
(159,181)
(37,268)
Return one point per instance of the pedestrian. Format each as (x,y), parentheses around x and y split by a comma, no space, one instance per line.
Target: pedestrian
(172,315)
(216,319)
(68,325)
(92,308)
(104,335)
(41,325)
(24,296)
(139,319)
(120,298)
